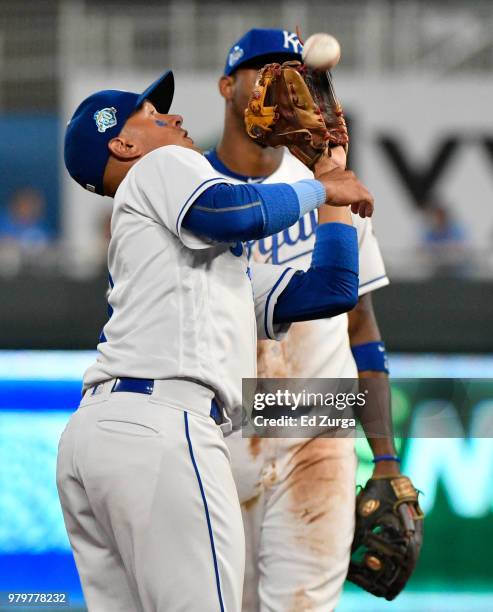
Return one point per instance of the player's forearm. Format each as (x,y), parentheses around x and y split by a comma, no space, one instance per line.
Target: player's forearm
(228,213)
(334,214)
(369,354)
(330,286)
(376,415)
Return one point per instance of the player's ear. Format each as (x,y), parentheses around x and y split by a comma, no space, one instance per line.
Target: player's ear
(226,87)
(124,149)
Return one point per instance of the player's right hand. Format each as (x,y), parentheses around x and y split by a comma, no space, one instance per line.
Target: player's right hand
(343,188)
(332,158)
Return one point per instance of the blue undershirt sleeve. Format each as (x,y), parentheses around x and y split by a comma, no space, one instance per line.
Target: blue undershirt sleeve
(330,286)
(230,213)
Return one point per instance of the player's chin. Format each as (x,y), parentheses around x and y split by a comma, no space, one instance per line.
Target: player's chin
(188,143)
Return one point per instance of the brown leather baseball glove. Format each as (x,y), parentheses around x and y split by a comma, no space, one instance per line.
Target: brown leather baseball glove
(388,536)
(294,106)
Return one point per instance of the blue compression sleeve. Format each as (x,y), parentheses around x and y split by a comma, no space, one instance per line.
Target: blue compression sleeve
(228,213)
(311,194)
(330,286)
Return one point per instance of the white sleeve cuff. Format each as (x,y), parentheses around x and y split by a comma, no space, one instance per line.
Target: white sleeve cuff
(374,283)
(269,330)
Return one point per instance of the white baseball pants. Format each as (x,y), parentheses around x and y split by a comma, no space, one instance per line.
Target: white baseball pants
(150,504)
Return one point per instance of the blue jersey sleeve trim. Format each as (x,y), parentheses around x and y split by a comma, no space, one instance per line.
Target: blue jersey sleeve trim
(207,516)
(267,302)
(189,200)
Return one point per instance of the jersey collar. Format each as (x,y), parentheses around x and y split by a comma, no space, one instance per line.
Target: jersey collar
(218,165)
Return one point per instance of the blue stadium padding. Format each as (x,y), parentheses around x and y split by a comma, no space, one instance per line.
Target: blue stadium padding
(30,514)
(39,394)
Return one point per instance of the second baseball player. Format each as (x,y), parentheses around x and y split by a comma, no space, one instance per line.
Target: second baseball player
(297,495)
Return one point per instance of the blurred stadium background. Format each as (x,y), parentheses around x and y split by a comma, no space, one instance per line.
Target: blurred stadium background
(415,79)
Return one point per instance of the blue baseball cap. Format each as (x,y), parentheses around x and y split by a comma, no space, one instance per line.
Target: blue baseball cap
(101,117)
(262,46)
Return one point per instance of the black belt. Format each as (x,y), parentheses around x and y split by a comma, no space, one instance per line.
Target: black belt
(146,386)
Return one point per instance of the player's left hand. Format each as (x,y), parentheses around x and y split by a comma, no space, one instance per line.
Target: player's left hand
(386,468)
(388,535)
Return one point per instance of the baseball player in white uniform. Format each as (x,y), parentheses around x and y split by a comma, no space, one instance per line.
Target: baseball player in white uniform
(297,496)
(143,472)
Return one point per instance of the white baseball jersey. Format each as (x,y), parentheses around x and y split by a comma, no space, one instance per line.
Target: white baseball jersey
(313,348)
(182,306)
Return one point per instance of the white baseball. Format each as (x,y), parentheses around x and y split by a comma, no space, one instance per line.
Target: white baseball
(321,51)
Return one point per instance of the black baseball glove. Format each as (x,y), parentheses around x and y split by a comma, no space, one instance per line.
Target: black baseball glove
(388,536)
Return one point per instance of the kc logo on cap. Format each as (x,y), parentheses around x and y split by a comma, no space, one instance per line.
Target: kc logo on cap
(105,118)
(265,45)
